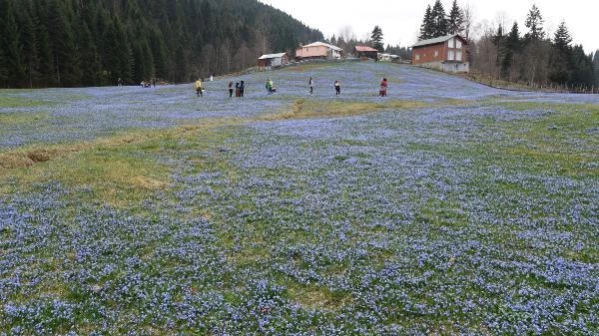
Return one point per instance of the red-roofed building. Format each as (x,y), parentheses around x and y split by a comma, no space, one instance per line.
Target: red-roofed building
(366,52)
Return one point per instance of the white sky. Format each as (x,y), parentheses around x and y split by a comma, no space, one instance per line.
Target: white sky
(401,19)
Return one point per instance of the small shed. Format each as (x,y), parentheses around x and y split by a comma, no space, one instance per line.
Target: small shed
(273,60)
(389,58)
(366,52)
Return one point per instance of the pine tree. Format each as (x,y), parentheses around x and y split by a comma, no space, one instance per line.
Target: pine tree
(561,58)
(499,42)
(582,70)
(511,47)
(596,66)
(377,39)
(62,40)
(439,19)
(427,28)
(562,38)
(534,23)
(27,22)
(455,24)
(12,45)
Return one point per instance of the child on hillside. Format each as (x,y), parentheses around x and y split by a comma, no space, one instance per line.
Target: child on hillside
(311,85)
(337,88)
(230,89)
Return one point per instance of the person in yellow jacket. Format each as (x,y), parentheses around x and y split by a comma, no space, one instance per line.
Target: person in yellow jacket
(199,90)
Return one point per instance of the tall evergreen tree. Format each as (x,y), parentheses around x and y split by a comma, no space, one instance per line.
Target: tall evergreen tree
(427,29)
(562,39)
(12,45)
(582,72)
(62,40)
(439,18)
(510,48)
(499,42)
(596,66)
(27,22)
(377,39)
(534,23)
(455,23)
(561,58)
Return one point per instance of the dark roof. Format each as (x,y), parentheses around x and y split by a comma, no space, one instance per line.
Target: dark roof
(437,40)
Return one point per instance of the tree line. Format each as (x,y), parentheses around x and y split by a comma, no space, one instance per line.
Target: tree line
(68,43)
(532,57)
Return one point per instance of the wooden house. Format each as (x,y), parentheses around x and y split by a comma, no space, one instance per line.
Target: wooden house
(447,53)
(273,60)
(366,52)
(318,50)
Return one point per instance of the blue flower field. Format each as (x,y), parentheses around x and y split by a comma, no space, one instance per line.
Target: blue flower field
(446,208)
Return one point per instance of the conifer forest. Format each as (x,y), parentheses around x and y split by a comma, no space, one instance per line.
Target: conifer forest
(70,43)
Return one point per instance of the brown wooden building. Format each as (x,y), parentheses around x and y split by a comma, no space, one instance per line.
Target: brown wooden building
(447,53)
(366,52)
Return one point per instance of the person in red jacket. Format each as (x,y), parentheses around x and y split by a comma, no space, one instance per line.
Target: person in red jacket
(384,86)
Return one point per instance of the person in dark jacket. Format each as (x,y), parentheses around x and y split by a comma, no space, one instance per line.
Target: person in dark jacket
(242,88)
(337,88)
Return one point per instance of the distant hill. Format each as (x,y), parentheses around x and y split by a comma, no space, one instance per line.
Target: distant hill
(95,42)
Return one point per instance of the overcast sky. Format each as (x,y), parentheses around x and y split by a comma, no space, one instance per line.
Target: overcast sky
(401,19)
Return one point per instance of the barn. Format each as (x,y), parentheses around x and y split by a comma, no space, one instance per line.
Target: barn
(447,53)
(273,60)
(318,50)
(366,52)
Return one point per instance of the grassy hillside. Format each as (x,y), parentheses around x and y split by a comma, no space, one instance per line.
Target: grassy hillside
(446,208)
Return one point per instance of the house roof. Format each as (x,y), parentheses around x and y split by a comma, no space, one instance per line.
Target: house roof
(365,48)
(322,44)
(437,40)
(270,56)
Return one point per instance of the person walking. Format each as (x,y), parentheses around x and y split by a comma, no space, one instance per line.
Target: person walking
(241,89)
(337,88)
(311,85)
(270,86)
(199,90)
(230,89)
(384,86)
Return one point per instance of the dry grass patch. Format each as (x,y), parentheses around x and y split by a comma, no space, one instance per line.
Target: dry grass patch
(303,109)
(318,298)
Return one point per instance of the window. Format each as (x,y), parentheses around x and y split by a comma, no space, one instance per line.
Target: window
(417,57)
(452,43)
(458,44)
(436,53)
(458,55)
(450,55)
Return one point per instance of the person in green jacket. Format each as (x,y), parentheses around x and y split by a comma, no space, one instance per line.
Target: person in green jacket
(269,85)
